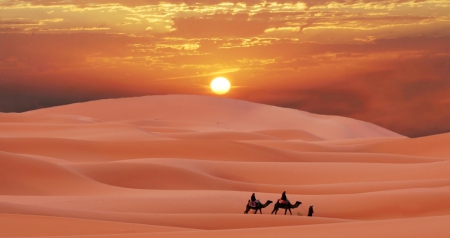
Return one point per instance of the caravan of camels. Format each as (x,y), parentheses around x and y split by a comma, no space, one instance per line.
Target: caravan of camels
(282,203)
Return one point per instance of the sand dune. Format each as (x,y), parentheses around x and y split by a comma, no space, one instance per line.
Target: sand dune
(45,119)
(188,174)
(36,226)
(89,132)
(30,175)
(226,113)
(291,134)
(430,146)
(413,228)
(185,166)
(237,136)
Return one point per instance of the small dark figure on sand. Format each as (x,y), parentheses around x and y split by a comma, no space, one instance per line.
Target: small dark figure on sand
(283,198)
(310,211)
(253,201)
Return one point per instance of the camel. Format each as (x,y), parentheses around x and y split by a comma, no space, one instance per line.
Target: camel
(259,206)
(285,206)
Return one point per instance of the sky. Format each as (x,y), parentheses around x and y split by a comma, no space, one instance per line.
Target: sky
(382,61)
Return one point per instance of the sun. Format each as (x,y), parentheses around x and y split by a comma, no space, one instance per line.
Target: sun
(220,85)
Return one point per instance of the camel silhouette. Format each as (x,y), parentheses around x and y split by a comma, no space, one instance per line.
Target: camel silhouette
(285,206)
(259,206)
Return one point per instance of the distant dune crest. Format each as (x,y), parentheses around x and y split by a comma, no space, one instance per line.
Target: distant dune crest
(221,113)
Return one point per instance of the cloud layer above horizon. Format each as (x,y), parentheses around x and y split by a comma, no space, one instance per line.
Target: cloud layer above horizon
(385,62)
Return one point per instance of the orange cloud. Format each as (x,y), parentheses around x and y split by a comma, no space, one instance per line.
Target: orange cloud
(219,25)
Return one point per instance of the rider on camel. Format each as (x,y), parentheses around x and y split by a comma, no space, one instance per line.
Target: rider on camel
(253,202)
(283,198)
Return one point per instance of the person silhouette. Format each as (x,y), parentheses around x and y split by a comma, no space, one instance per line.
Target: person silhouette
(253,201)
(310,210)
(284,198)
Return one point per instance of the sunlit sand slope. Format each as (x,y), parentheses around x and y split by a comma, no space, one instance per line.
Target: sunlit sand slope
(185,166)
(220,112)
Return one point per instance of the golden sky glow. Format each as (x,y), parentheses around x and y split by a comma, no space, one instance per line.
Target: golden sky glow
(377,60)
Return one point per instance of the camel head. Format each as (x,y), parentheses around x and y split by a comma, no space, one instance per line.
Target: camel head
(267,203)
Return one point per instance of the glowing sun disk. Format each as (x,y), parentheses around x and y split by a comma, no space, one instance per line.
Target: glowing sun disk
(220,85)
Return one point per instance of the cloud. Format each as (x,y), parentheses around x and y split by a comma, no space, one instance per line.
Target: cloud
(219,25)
(41,52)
(214,74)
(343,22)
(134,3)
(17,22)
(9,29)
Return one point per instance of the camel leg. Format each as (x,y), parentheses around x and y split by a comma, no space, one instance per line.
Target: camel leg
(260,212)
(285,211)
(256,210)
(290,211)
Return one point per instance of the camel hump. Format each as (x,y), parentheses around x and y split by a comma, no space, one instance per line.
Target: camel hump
(253,203)
(281,201)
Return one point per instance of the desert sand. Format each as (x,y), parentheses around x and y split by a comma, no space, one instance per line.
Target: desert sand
(185,166)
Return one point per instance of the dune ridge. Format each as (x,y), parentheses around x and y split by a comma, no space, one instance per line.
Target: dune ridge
(224,113)
(185,166)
